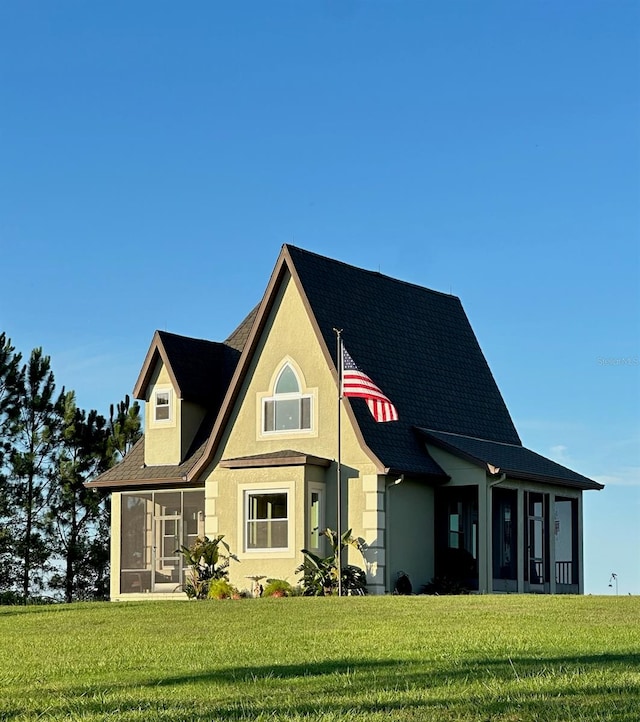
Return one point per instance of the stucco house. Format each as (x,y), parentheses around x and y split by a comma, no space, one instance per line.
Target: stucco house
(241,440)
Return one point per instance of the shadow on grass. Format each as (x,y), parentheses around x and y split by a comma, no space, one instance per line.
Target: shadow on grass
(458,689)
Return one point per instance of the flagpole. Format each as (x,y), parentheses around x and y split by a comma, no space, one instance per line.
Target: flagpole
(338,332)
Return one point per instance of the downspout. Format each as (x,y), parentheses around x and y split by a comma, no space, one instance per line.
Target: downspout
(493,470)
(387,540)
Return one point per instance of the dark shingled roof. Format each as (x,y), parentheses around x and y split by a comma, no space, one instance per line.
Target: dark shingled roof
(239,337)
(132,472)
(418,346)
(514,460)
(202,369)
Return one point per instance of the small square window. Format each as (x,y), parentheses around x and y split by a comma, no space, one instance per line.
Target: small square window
(162,406)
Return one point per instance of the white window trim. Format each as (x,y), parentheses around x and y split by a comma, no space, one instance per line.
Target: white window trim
(287,397)
(244,490)
(156,392)
(306,392)
(255,492)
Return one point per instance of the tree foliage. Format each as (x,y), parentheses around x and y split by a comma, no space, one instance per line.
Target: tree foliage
(54,531)
(75,511)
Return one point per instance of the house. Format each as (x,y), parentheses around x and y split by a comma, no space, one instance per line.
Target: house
(241,439)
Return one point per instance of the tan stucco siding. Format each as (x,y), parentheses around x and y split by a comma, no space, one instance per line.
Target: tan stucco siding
(462,472)
(288,337)
(162,439)
(411,534)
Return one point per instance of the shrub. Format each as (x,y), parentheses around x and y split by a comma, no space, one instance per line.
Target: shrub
(444,586)
(206,563)
(278,588)
(221,589)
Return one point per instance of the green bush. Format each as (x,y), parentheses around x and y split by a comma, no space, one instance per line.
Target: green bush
(278,588)
(206,563)
(221,589)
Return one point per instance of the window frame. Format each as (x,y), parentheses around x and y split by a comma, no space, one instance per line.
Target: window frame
(247,493)
(168,391)
(269,406)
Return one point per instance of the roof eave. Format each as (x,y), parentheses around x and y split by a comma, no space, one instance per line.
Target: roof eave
(283,265)
(493,470)
(156,349)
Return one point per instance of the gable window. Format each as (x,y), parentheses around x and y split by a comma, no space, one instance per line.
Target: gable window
(288,409)
(266,520)
(162,405)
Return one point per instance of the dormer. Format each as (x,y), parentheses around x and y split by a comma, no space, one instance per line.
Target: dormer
(182,381)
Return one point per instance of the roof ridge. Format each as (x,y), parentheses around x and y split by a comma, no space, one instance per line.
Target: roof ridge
(190,338)
(377,274)
(475,438)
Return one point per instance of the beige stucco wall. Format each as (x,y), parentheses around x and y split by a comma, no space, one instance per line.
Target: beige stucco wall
(410,529)
(462,472)
(162,439)
(288,336)
(167,442)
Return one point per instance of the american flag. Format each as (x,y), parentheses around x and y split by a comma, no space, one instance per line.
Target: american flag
(356,383)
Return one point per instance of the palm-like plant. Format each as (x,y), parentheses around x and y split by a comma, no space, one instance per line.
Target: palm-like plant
(206,562)
(320,574)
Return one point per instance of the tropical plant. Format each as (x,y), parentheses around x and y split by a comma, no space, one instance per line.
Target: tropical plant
(320,574)
(221,589)
(278,588)
(206,563)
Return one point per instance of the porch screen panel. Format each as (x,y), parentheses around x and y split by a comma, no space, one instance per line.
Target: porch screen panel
(566,541)
(136,542)
(505,552)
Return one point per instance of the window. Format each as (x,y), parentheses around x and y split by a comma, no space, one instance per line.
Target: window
(288,409)
(162,405)
(316,516)
(266,520)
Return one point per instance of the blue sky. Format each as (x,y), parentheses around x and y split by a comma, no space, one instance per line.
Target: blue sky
(154,157)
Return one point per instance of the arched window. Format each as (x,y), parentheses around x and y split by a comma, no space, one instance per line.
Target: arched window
(288,409)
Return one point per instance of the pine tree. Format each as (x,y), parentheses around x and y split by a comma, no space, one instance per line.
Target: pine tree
(77,513)
(124,426)
(10,392)
(29,471)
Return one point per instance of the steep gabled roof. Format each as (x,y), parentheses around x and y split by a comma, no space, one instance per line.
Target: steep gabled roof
(416,344)
(418,347)
(515,461)
(200,370)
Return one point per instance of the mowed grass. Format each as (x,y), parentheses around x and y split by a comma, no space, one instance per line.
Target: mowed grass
(506,658)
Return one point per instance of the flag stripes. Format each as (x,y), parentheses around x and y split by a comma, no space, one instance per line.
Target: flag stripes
(356,383)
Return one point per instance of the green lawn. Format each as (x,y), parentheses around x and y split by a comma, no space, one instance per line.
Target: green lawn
(506,658)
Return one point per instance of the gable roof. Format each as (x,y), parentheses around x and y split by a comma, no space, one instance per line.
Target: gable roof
(418,347)
(515,461)
(416,344)
(200,370)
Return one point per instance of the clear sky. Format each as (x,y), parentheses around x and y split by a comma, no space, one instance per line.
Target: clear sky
(154,157)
